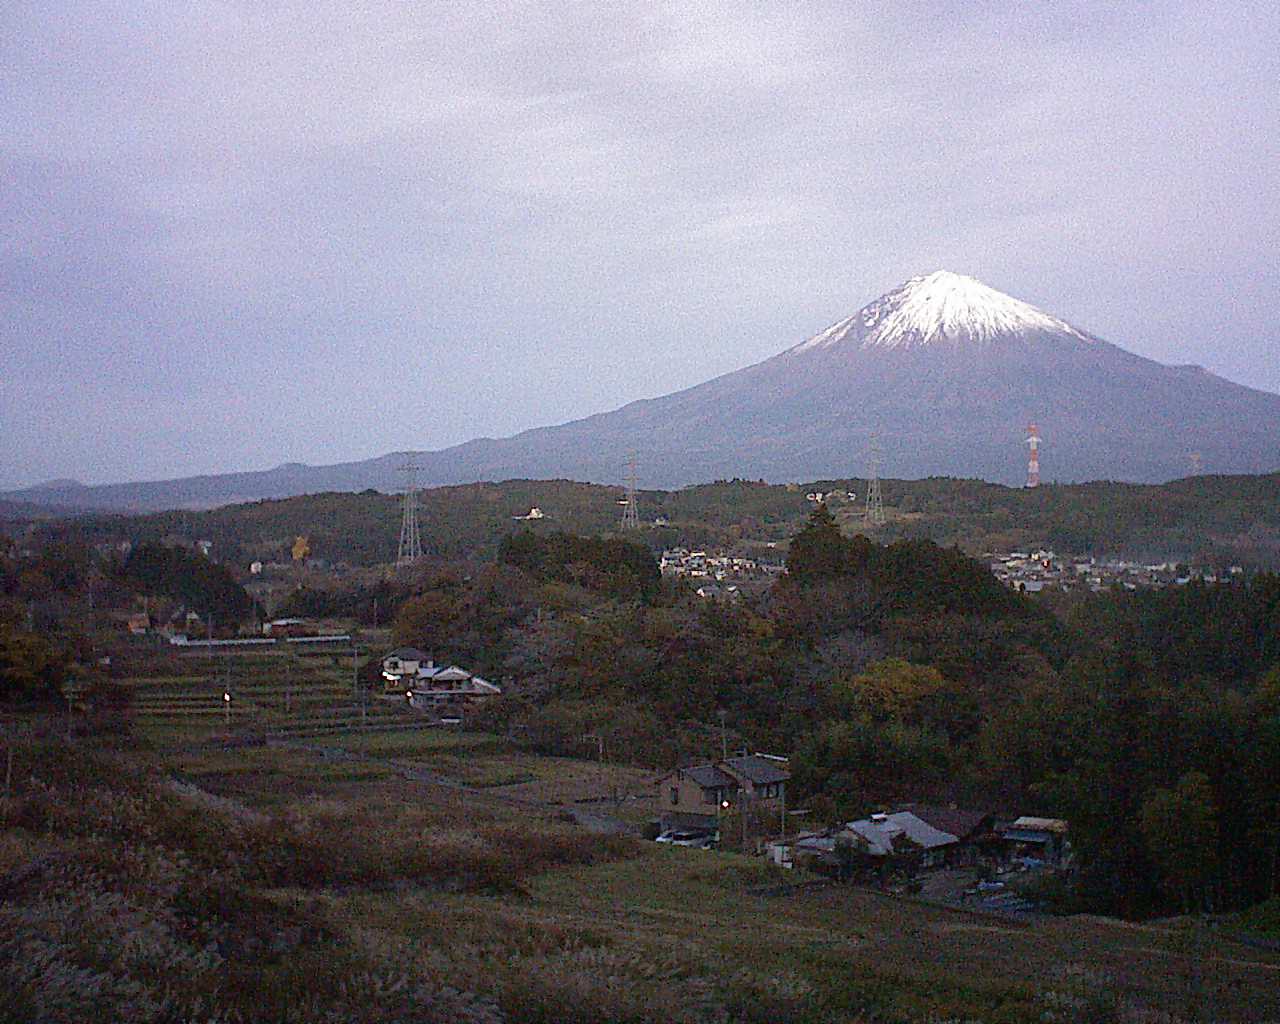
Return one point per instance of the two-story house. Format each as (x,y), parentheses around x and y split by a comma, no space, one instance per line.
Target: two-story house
(698,795)
(400,668)
(452,687)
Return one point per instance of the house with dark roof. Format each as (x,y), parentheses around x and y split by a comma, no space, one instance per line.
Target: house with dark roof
(974,830)
(916,836)
(759,776)
(719,787)
(400,667)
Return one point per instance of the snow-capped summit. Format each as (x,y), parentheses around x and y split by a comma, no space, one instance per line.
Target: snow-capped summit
(941,306)
(944,372)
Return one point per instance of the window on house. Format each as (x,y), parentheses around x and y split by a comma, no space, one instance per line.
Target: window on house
(675,794)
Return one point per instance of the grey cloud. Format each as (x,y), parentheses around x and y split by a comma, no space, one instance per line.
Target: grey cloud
(403,225)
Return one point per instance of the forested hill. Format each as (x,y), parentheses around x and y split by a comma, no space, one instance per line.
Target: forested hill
(1212,519)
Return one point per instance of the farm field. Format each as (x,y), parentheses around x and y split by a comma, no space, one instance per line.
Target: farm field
(309,702)
(492,762)
(298,697)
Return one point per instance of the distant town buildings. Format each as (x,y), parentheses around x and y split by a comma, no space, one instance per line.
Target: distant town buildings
(714,567)
(1034,571)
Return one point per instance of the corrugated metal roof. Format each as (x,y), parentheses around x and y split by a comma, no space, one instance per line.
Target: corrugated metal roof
(1042,824)
(880,835)
(1026,835)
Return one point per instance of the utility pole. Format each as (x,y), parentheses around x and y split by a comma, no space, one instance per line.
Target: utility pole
(599,740)
(410,541)
(224,677)
(355,681)
(630,515)
(362,691)
(724,739)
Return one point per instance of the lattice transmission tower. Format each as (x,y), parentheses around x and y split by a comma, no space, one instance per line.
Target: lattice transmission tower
(874,512)
(410,540)
(1033,460)
(630,512)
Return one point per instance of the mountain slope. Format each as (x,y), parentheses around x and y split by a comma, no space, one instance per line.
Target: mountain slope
(947,371)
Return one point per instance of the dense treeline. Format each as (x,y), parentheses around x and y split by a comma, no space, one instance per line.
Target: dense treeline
(1172,787)
(1210,520)
(607,564)
(33,661)
(1146,714)
(188,577)
(906,672)
(56,604)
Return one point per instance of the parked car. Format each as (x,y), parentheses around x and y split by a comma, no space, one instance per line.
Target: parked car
(699,840)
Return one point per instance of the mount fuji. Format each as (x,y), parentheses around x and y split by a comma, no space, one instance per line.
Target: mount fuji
(945,371)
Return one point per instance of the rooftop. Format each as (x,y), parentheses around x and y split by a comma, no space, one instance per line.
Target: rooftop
(760,771)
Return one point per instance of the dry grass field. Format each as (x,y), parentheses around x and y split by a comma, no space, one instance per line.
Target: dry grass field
(161,877)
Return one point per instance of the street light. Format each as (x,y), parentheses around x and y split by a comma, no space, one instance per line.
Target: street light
(226,706)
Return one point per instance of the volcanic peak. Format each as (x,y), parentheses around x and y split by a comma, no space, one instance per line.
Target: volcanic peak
(941,306)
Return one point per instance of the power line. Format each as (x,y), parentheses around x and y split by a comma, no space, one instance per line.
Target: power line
(1033,460)
(630,514)
(410,541)
(874,511)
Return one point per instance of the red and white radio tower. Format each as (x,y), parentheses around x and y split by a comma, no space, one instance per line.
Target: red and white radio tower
(1033,463)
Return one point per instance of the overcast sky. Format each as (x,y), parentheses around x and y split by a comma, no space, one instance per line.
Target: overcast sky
(233,235)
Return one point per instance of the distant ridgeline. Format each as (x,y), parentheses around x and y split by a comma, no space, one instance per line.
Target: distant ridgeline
(1215,520)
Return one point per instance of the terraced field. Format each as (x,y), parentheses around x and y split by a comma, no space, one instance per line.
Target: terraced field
(279,695)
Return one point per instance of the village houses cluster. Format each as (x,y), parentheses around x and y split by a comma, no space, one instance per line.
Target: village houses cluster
(1034,571)
(749,792)
(718,576)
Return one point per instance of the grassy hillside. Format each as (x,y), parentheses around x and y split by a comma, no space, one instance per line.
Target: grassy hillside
(163,879)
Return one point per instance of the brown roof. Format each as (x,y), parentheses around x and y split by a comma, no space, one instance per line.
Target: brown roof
(959,823)
(761,771)
(708,776)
